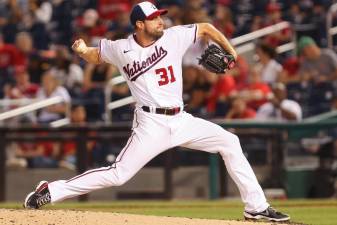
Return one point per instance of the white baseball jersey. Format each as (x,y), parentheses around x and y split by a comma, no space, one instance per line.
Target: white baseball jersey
(155,79)
(157,65)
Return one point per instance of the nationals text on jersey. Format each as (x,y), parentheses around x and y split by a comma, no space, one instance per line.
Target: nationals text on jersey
(140,67)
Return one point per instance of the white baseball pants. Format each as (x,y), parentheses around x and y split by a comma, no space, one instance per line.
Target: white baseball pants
(154,133)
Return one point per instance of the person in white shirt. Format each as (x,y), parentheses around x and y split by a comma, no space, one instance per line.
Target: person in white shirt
(51,88)
(268,67)
(150,60)
(279,107)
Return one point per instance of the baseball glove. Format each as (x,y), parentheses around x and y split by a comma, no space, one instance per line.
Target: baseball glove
(216,60)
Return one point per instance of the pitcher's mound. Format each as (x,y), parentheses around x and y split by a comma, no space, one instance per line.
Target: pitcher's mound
(67,217)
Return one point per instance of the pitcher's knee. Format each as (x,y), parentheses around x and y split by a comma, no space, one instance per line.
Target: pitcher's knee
(231,145)
(235,139)
(121,180)
(118,176)
(230,139)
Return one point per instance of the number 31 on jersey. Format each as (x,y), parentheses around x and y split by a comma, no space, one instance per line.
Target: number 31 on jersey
(166,75)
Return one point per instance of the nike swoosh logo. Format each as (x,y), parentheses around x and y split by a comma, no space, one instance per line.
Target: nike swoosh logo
(126,51)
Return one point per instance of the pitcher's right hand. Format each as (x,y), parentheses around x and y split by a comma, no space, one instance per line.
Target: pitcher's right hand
(79,46)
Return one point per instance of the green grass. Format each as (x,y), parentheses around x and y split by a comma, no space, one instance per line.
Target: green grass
(316,212)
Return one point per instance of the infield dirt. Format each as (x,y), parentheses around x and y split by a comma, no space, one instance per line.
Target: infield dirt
(69,217)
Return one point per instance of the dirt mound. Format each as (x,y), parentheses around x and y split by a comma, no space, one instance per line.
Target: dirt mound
(61,217)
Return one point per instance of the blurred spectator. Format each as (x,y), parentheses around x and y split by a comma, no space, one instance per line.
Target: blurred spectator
(60,27)
(95,79)
(68,148)
(4,13)
(243,11)
(195,12)
(257,92)
(120,27)
(42,10)
(240,110)
(318,68)
(240,73)
(69,75)
(91,24)
(296,15)
(219,98)
(175,12)
(197,80)
(223,20)
(8,60)
(38,64)
(198,84)
(37,31)
(24,43)
(318,18)
(8,56)
(269,68)
(289,74)
(39,155)
(279,107)
(25,88)
(108,9)
(318,65)
(274,16)
(51,88)
(11,24)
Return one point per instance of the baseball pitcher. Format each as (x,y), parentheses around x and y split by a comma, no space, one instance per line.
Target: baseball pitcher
(150,61)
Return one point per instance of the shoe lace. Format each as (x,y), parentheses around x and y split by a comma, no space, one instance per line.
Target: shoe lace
(43,199)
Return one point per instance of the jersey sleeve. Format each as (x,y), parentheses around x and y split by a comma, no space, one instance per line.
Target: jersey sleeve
(184,36)
(108,51)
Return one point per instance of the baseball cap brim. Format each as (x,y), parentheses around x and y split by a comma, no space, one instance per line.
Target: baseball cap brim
(157,13)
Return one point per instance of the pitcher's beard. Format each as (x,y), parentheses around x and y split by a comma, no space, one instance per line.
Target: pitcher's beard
(154,35)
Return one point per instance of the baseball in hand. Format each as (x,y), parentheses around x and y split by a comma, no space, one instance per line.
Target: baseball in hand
(79,46)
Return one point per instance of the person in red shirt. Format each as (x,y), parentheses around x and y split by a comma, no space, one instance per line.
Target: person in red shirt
(220,92)
(24,44)
(23,84)
(257,92)
(43,154)
(240,110)
(8,55)
(290,70)
(274,16)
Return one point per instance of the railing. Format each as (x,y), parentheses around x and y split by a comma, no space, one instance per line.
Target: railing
(259,33)
(32,107)
(17,102)
(331,31)
(241,46)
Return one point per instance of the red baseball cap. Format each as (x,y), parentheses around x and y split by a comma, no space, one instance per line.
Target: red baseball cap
(145,10)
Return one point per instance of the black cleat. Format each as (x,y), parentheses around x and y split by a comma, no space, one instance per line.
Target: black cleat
(39,197)
(269,214)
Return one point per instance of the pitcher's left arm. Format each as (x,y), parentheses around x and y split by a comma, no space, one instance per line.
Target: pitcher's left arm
(207,30)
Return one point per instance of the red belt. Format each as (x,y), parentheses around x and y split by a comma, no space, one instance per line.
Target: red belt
(164,111)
